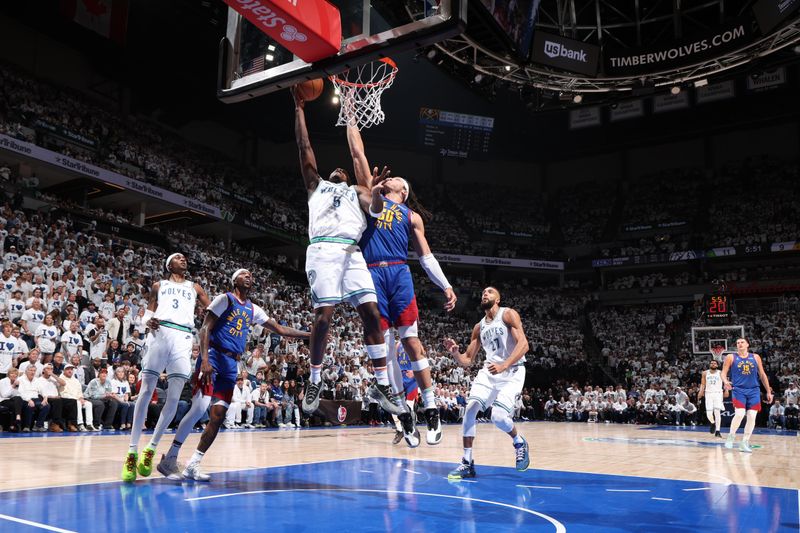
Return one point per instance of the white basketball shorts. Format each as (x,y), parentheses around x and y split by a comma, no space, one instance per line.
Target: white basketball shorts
(168,349)
(714,401)
(338,273)
(499,390)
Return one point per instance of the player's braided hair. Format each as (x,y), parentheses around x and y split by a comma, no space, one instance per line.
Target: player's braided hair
(412,201)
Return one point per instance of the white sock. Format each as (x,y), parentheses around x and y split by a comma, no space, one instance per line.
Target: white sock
(468,455)
(173,451)
(197,456)
(428,400)
(518,439)
(381,375)
(316,370)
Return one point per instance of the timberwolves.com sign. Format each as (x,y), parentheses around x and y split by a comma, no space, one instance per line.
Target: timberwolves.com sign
(565,54)
(687,52)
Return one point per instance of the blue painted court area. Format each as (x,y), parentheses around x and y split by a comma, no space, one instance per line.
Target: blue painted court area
(724,430)
(383,494)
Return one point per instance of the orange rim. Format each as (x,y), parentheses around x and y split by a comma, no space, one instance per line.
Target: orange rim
(388,60)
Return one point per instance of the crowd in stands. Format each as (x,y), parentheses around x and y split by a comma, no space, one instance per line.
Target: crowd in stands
(72,299)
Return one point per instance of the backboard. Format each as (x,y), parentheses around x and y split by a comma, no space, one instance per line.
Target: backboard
(252,64)
(705,338)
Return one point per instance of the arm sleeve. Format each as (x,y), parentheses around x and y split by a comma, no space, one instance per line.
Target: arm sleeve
(434,271)
(219,304)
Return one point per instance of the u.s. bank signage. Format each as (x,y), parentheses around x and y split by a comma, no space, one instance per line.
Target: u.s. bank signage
(565,54)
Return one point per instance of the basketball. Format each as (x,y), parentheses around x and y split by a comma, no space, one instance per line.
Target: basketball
(311,89)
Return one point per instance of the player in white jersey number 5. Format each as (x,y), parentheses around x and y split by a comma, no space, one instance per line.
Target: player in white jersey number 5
(168,345)
(499,382)
(335,266)
(711,387)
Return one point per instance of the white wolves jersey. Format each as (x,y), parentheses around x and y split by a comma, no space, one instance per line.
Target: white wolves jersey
(334,211)
(713,382)
(176,302)
(496,340)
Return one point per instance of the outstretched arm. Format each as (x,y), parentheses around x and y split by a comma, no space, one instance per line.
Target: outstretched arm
(283,331)
(308,163)
(429,262)
(467,358)
(360,163)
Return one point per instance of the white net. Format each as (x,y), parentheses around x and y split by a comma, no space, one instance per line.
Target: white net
(360,89)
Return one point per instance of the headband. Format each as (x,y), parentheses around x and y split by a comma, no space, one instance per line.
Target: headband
(236,274)
(170,258)
(406,187)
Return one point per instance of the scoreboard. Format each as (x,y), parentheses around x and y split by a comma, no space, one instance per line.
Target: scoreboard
(718,307)
(455,134)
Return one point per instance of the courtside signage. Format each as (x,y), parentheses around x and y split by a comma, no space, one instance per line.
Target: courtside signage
(565,54)
(310,29)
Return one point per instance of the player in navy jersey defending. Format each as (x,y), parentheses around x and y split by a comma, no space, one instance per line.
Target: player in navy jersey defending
(385,242)
(745,369)
(499,382)
(335,266)
(170,319)
(223,339)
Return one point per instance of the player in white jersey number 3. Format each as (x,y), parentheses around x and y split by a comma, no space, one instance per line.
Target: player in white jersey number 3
(168,345)
(711,387)
(499,382)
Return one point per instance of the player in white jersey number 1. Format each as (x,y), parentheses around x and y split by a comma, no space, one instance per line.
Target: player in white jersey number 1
(336,269)
(168,345)
(499,382)
(711,387)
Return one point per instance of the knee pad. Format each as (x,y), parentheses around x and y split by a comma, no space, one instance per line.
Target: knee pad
(470,413)
(502,419)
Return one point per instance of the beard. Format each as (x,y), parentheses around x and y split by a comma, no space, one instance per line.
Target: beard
(487,304)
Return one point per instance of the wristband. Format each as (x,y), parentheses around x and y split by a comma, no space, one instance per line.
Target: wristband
(373,214)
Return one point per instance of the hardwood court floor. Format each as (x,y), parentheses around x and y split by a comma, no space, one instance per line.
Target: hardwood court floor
(584,478)
(47,460)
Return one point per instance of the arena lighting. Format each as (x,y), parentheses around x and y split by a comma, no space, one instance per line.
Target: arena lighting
(675,89)
(271,48)
(431,55)
(701,83)
(335,100)
(508,68)
(270,57)
(478,77)
(577,98)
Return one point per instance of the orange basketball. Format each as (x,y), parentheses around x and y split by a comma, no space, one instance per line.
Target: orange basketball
(311,89)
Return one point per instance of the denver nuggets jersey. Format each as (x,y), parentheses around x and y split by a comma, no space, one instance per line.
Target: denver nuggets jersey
(231,330)
(713,382)
(496,339)
(386,238)
(334,211)
(744,372)
(176,302)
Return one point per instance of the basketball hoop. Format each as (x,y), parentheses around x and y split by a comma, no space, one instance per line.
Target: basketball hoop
(717,350)
(360,89)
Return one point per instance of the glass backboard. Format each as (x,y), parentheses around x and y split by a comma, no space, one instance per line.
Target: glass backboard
(252,64)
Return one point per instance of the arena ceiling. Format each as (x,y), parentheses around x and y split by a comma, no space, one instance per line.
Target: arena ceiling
(632,45)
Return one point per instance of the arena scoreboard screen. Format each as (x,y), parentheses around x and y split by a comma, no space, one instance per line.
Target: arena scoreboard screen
(718,307)
(455,134)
